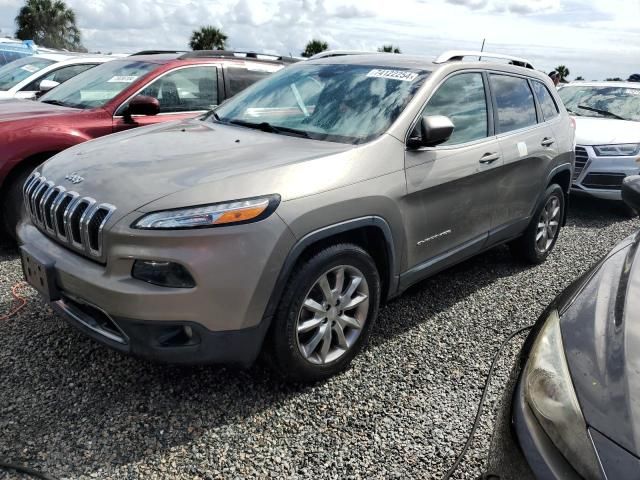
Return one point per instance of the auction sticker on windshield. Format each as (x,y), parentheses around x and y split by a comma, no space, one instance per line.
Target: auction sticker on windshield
(401,75)
(29,68)
(122,79)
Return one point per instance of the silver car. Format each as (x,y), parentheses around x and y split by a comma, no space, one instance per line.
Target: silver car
(282,220)
(607,116)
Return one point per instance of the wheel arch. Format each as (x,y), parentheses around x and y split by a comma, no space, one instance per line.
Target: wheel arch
(372,233)
(28,163)
(560,175)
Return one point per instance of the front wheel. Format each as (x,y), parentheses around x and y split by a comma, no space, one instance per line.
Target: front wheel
(326,313)
(542,233)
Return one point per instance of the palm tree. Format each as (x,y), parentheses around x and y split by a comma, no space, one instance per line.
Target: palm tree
(314,46)
(563,72)
(208,38)
(389,49)
(49,23)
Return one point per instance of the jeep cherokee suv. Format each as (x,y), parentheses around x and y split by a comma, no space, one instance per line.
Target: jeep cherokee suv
(284,218)
(118,95)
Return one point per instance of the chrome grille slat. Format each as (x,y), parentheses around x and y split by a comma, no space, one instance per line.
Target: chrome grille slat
(582,157)
(75,221)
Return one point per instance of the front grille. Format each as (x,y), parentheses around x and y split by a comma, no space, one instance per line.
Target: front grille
(582,157)
(604,181)
(72,220)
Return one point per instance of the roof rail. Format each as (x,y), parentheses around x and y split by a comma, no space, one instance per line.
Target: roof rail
(237,54)
(156,52)
(458,55)
(339,53)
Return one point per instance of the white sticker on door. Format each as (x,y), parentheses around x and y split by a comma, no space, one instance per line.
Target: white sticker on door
(522,149)
(401,75)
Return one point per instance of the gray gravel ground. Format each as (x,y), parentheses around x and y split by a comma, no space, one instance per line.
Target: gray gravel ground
(78,410)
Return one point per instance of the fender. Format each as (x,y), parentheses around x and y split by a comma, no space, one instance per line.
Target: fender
(325,232)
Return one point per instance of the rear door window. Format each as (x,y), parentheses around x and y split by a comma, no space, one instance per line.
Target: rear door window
(462,99)
(241,77)
(188,89)
(514,100)
(545,100)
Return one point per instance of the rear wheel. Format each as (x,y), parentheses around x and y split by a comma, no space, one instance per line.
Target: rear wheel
(542,233)
(13,204)
(326,313)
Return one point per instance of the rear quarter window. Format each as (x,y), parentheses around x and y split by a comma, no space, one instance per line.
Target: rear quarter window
(545,100)
(514,101)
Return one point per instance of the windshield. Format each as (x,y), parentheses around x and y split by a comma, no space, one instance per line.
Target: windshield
(605,102)
(340,103)
(13,73)
(95,87)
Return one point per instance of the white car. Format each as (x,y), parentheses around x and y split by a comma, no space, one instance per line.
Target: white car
(607,116)
(28,76)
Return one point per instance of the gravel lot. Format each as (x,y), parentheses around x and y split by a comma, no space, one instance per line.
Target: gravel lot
(78,410)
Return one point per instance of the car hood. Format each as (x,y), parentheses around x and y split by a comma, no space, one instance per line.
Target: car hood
(12,110)
(601,336)
(606,131)
(133,168)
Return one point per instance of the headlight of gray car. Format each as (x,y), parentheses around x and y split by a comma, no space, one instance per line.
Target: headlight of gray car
(550,394)
(622,150)
(214,215)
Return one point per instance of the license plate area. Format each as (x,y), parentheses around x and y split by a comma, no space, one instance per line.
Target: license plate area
(39,272)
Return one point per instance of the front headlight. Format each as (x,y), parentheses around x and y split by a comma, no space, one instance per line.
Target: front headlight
(549,392)
(218,214)
(622,150)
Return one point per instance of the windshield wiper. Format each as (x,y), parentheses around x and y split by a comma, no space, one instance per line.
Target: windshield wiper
(55,102)
(606,113)
(577,114)
(267,127)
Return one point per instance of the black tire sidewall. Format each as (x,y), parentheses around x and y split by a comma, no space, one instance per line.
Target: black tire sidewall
(13,204)
(289,360)
(530,251)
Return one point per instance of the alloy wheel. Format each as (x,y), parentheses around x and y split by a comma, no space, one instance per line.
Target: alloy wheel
(548,224)
(333,315)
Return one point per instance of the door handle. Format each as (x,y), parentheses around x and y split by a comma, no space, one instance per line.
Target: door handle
(547,142)
(489,158)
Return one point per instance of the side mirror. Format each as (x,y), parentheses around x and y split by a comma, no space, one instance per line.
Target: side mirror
(631,191)
(46,85)
(434,130)
(141,105)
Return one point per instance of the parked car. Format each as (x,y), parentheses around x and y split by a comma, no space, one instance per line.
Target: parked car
(30,76)
(119,95)
(607,116)
(11,49)
(574,402)
(291,211)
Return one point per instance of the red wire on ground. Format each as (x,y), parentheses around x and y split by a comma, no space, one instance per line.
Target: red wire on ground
(20,299)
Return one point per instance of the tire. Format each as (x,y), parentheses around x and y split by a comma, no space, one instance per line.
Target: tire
(531,247)
(13,204)
(292,348)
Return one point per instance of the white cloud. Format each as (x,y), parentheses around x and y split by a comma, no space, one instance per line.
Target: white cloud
(595,39)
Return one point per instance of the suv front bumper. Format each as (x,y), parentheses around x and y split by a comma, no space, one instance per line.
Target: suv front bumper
(221,320)
(601,177)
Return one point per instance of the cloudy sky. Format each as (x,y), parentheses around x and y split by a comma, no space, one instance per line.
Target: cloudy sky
(593,38)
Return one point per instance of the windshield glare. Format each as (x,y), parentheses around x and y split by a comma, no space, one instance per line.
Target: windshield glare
(620,101)
(14,72)
(96,86)
(340,103)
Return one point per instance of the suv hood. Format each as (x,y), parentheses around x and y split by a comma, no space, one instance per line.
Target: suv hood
(601,336)
(133,168)
(606,131)
(12,110)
